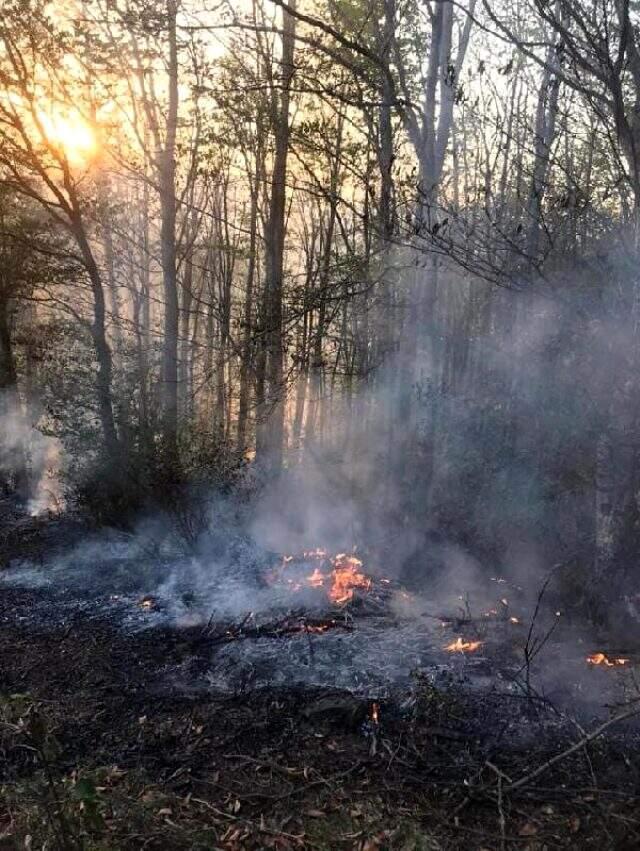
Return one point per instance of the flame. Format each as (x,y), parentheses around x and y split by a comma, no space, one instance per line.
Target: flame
(345,577)
(318,628)
(339,575)
(461,646)
(602,659)
(375,713)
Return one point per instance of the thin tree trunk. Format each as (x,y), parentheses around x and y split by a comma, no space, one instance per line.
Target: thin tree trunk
(167,181)
(100,343)
(274,256)
(245,359)
(544,132)
(16,462)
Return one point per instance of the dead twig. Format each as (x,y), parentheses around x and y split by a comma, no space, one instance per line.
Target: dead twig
(502,822)
(623,716)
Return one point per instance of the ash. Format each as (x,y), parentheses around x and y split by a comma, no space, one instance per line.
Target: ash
(371,658)
(377,644)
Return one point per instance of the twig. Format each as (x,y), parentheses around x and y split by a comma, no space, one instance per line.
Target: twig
(569,751)
(533,645)
(501,819)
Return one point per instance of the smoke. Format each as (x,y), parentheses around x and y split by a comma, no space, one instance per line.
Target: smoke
(494,471)
(314,505)
(469,500)
(489,474)
(29,459)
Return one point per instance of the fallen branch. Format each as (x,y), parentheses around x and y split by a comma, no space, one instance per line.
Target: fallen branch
(518,784)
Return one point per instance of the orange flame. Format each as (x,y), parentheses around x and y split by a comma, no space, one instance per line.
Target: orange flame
(339,575)
(461,646)
(345,577)
(602,659)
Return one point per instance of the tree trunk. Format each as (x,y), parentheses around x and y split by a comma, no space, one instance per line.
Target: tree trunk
(15,452)
(185,348)
(274,403)
(245,358)
(100,343)
(167,181)
(544,133)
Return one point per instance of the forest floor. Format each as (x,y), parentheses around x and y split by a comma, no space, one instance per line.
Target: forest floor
(98,751)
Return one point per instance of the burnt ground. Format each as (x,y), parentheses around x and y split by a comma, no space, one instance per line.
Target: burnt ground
(102,746)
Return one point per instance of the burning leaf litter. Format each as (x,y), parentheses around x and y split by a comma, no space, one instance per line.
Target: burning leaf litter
(338,575)
(462,646)
(605,661)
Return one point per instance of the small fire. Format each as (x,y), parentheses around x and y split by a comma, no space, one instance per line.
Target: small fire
(317,628)
(603,659)
(461,646)
(375,713)
(148,602)
(339,575)
(346,576)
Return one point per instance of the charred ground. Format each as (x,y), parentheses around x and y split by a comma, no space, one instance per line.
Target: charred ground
(116,737)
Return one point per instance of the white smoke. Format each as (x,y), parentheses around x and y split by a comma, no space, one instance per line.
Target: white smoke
(23,447)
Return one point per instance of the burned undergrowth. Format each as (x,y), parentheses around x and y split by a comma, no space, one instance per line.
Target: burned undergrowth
(351,714)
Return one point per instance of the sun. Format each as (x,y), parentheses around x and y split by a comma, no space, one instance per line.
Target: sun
(68,130)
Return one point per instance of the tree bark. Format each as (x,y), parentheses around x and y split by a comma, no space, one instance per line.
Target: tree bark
(167,187)
(274,403)
(16,462)
(100,343)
